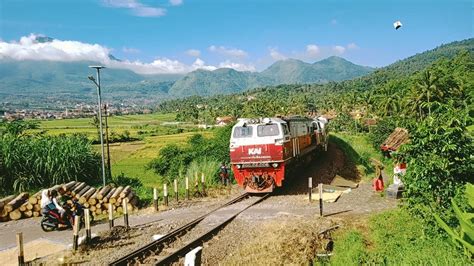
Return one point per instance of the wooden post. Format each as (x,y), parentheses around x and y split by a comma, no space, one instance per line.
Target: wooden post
(76,232)
(187,188)
(88,225)
(125,212)
(203,183)
(111,216)
(310,188)
(193,257)
(176,189)
(21,255)
(155,198)
(320,187)
(165,194)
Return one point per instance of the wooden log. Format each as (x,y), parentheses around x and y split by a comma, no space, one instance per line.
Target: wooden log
(74,187)
(4,219)
(35,198)
(16,203)
(6,200)
(82,192)
(29,206)
(92,208)
(119,209)
(107,197)
(36,214)
(93,199)
(69,185)
(114,197)
(78,188)
(37,207)
(125,192)
(87,195)
(103,212)
(23,207)
(103,192)
(86,204)
(3,213)
(15,214)
(28,213)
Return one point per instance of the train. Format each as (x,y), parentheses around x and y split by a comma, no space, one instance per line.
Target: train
(264,151)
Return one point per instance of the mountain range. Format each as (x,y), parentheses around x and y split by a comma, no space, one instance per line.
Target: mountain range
(49,81)
(44,84)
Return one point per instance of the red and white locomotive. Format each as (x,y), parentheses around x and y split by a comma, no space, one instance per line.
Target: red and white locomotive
(263,151)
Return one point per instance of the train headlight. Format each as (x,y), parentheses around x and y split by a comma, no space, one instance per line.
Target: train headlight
(275,165)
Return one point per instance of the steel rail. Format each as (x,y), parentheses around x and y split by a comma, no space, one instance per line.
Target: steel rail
(181,252)
(158,244)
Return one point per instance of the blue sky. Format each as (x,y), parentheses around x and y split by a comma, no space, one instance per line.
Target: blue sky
(249,35)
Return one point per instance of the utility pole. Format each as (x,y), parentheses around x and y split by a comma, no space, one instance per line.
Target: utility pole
(109,166)
(97,83)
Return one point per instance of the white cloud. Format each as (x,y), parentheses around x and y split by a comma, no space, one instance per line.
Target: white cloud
(352,46)
(193,52)
(200,64)
(28,48)
(137,8)
(237,66)
(176,2)
(233,52)
(275,54)
(130,50)
(339,49)
(312,50)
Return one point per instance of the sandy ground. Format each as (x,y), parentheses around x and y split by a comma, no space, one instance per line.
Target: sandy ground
(286,208)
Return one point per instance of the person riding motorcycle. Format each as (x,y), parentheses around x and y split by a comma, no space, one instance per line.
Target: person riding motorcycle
(50,203)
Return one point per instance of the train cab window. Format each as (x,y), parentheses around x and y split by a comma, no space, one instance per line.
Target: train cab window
(268,130)
(286,131)
(242,132)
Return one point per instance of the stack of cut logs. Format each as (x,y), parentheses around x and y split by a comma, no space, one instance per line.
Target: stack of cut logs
(96,199)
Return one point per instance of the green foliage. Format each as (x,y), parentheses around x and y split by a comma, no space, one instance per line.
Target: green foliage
(174,160)
(394,238)
(36,161)
(440,161)
(465,236)
(379,133)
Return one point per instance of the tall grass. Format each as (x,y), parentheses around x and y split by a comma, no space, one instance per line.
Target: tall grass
(206,166)
(36,161)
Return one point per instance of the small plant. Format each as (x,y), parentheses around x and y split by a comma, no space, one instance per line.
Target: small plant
(465,235)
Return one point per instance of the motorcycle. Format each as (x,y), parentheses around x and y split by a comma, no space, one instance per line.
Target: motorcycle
(52,219)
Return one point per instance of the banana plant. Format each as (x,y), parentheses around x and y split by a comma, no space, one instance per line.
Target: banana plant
(465,235)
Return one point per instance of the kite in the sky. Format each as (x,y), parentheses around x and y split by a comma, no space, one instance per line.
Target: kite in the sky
(397,24)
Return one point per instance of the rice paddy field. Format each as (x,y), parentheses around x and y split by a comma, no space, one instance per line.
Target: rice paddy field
(136,125)
(130,158)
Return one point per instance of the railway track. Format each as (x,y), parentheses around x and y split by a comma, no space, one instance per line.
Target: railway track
(218,219)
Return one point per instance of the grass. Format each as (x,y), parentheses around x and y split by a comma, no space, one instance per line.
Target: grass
(359,150)
(131,158)
(393,238)
(137,125)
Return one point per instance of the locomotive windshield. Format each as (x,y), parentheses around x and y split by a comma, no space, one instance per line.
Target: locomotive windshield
(242,132)
(268,130)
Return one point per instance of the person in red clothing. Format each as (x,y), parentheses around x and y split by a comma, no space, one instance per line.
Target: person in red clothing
(377,183)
